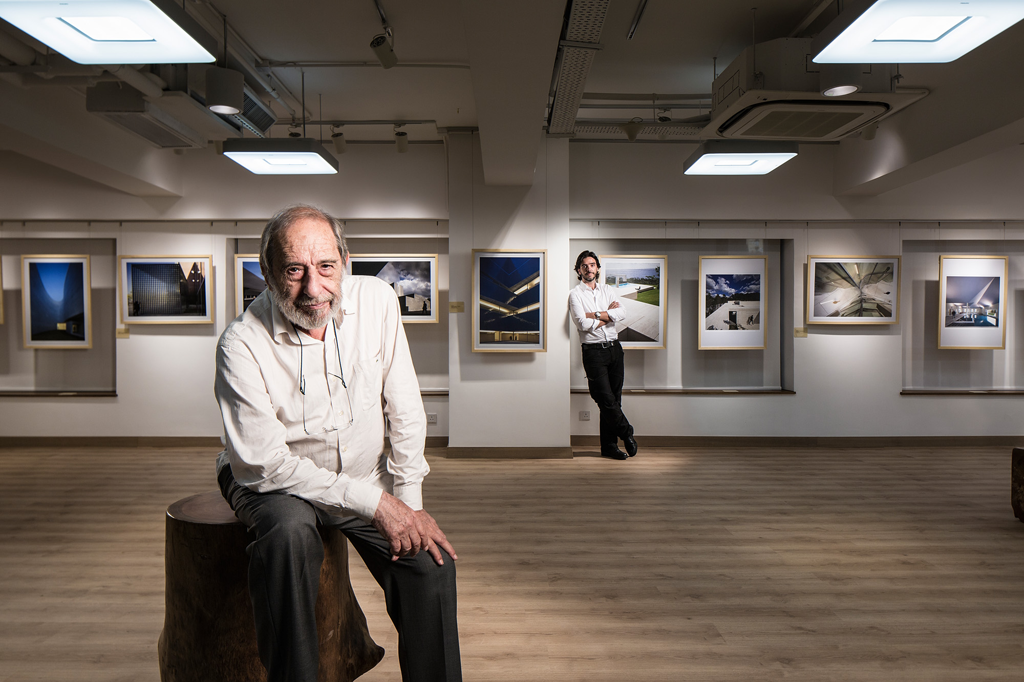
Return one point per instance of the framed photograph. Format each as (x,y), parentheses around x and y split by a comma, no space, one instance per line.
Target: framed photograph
(165,289)
(414,279)
(732,303)
(972,300)
(1,291)
(640,285)
(853,290)
(509,301)
(249,282)
(56,301)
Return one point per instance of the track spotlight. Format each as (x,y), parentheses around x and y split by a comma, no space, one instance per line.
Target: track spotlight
(224,90)
(633,128)
(293,131)
(382,46)
(338,138)
(401,141)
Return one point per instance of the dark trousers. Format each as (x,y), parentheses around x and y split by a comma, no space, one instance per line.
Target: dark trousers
(284,577)
(605,372)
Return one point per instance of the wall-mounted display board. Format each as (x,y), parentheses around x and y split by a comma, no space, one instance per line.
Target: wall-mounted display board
(413,277)
(165,289)
(640,285)
(249,282)
(972,300)
(732,292)
(509,301)
(853,290)
(56,301)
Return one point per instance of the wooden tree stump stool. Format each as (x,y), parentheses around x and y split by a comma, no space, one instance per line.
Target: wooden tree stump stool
(209,635)
(1017,482)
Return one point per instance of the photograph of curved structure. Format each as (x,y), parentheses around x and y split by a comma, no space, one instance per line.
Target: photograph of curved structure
(412,277)
(56,301)
(165,290)
(732,298)
(509,300)
(972,302)
(853,290)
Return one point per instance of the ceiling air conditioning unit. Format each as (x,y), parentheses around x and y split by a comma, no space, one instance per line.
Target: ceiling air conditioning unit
(772,91)
(125,107)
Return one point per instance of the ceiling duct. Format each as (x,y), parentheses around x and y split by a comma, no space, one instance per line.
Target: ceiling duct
(772,92)
(125,107)
(255,116)
(582,39)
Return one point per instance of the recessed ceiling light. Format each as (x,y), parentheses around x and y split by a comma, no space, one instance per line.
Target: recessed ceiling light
(738,157)
(913,31)
(112,31)
(286,156)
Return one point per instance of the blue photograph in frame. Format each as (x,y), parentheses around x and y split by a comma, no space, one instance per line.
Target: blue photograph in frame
(56,301)
(509,301)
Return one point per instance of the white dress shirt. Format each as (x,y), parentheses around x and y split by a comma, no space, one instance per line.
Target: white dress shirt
(583,300)
(326,447)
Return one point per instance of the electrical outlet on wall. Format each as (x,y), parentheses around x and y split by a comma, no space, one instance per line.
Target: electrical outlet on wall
(584,415)
(431,418)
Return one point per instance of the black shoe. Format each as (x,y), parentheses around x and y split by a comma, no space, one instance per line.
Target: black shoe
(630,444)
(614,454)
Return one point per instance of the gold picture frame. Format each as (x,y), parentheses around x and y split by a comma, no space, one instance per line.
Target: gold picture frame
(729,318)
(856,290)
(639,278)
(56,298)
(972,304)
(509,301)
(412,276)
(165,289)
(247,287)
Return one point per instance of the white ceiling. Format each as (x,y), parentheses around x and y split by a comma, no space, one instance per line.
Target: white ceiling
(489,64)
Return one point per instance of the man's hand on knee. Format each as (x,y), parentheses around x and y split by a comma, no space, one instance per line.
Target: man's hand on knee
(409,531)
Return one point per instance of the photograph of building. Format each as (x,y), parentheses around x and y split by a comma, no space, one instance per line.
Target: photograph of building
(732,302)
(58,302)
(411,280)
(510,304)
(253,283)
(854,289)
(167,289)
(972,301)
(637,284)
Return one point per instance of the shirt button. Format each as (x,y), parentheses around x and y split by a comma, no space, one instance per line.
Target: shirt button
(344,448)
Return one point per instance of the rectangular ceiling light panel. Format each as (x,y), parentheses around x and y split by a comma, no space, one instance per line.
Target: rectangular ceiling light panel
(108,31)
(281,157)
(738,157)
(913,31)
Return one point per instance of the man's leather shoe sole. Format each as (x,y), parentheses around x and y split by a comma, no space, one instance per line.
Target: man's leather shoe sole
(618,454)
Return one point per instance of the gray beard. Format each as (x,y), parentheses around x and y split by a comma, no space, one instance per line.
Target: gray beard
(302,319)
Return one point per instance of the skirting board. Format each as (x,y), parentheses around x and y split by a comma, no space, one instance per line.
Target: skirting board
(811,441)
(140,442)
(509,453)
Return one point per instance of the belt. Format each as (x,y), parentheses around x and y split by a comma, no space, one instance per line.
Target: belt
(602,344)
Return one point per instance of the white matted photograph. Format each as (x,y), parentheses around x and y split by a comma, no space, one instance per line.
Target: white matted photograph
(732,303)
(413,277)
(640,285)
(972,300)
(166,289)
(56,301)
(853,290)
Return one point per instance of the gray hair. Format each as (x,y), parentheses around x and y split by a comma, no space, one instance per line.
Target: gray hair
(270,247)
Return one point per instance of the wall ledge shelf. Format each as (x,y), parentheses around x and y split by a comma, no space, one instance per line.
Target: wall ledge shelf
(58,394)
(696,391)
(962,391)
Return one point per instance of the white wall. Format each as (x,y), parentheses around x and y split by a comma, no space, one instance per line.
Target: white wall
(508,399)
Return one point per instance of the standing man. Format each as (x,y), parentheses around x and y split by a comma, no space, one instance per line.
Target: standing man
(305,379)
(595,311)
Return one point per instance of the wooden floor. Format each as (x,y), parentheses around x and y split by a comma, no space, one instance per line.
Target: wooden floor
(867,564)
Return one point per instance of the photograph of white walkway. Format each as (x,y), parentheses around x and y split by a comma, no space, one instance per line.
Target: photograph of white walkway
(639,284)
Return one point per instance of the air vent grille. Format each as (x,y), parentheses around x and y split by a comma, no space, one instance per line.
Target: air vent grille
(803,124)
(659,131)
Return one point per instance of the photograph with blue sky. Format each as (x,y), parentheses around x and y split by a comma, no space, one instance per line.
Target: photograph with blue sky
(57,301)
(410,277)
(729,286)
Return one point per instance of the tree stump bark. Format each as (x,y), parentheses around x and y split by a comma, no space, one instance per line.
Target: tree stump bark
(1017,482)
(209,635)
